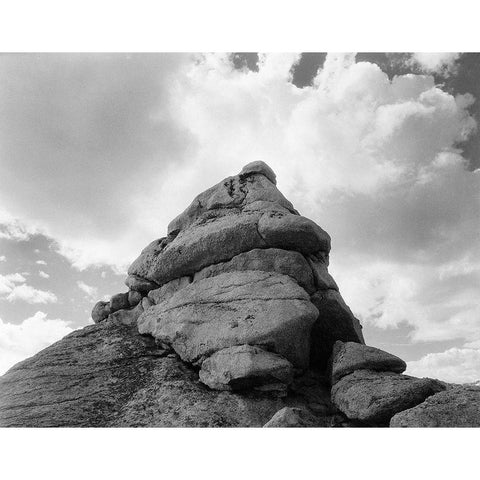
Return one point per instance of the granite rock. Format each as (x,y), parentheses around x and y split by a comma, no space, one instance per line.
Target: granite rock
(348,357)
(455,407)
(374,397)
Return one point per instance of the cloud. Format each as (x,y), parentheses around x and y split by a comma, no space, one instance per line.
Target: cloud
(41,262)
(91,292)
(23,292)
(8,282)
(18,342)
(376,162)
(457,365)
(440,62)
(3,258)
(43,274)
(84,131)
(29,294)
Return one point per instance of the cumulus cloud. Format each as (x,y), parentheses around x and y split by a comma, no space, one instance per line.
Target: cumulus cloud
(457,365)
(440,62)
(8,282)
(18,342)
(12,292)
(29,294)
(41,262)
(43,274)
(89,290)
(3,258)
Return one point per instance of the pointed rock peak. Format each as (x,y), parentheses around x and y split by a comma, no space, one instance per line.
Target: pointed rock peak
(259,167)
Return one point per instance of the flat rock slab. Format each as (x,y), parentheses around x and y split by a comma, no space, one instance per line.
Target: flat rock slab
(253,307)
(348,357)
(106,375)
(374,397)
(454,407)
(245,366)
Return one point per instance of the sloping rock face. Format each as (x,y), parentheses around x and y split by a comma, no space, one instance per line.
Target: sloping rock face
(107,375)
(454,407)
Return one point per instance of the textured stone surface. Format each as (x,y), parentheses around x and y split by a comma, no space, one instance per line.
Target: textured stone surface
(293,232)
(127,316)
(100,311)
(350,356)
(165,291)
(139,284)
(276,260)
(259,167)
(454,407)
(245,366)
(119,301)
(134,298)
(252,307)
(289,417)
(107,375)
(374,397)
(322,279)
(335,322)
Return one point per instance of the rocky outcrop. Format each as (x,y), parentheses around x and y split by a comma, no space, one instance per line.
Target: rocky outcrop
(231,319)
(455,407)
(107,375)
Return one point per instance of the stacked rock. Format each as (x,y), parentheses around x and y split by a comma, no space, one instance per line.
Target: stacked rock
(239,287)
(368,385)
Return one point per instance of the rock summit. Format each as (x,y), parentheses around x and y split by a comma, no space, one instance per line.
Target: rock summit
(231,319)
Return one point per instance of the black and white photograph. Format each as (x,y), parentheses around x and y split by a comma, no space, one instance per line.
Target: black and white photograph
(229,239)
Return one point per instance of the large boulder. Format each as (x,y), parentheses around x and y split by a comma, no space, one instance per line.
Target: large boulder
(252,307)
(350,356)
(374,397)
(455,407)
(245,366)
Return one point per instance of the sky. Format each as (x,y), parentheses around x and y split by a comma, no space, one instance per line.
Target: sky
(98,152)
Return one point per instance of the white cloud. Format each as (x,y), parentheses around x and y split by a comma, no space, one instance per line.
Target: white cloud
(89,290)
(436,62)
(3,258)
(32,295)
(375,162)
(457,365)
(41,262)
(18,342)
(8,282)
(43,274)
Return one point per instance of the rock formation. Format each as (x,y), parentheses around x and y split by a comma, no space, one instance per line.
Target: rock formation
(232,319)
